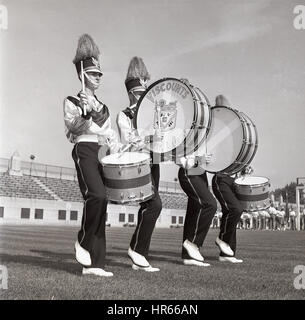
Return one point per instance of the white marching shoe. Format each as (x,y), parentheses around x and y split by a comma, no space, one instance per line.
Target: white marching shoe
(138,259)
(82,256)
(224,247)
(147,269)
(192,262)
(97,272)
(192,250)
(230,259)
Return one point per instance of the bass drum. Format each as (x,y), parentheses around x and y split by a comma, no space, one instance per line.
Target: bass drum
(232,141)
(175,115)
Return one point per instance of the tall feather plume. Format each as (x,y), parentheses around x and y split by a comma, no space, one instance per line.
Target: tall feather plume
(86,48)
(221,100)
(137,70)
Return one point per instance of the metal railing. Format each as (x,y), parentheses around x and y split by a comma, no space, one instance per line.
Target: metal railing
(33,168)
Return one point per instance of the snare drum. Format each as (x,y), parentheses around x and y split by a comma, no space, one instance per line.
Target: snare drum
(127,177)
(176,114)
(253,193)
(232,141)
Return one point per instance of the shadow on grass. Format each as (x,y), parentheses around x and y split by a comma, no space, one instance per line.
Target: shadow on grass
(55,264)
(54,261)
(154,255)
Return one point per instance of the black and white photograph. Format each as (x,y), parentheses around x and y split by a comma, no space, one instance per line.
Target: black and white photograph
(152,153)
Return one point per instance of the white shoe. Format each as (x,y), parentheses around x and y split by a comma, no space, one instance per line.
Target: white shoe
(82,255)
(147,269)
(138,259)
(224,247)
(230,259)
(97,272)
(192,262)
(192,250)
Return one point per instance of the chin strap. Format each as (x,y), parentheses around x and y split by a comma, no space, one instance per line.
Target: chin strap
(90,80)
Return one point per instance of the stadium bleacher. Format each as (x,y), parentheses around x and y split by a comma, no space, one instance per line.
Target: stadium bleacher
(173,200)
(22,187)
(67,190)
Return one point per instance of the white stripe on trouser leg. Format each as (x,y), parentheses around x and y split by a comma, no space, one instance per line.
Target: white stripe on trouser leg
(137,236)
(86,192)
(199,214)
(226,205)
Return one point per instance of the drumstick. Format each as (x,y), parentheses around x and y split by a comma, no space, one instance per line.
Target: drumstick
(83,82)
(125,149)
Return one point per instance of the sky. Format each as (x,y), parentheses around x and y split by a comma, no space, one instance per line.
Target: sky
(247,50)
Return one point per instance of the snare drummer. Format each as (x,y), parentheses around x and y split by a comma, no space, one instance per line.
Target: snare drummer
(223,188)
(86,118)
(136,80)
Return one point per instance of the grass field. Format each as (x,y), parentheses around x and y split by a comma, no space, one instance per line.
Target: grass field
(41,265)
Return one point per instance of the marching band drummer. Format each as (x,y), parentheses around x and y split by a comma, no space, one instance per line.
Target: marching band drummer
(137,77)
(201,208)
(223,188)
(86,121)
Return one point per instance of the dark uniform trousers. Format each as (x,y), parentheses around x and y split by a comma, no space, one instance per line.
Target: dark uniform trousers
(223,188)
(90,178)
(147,217)
(201,208)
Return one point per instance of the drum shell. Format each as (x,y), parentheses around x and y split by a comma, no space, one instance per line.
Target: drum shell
(253,197)
(126,183)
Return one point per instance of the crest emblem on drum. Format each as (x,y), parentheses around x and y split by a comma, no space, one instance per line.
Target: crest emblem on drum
(165,115)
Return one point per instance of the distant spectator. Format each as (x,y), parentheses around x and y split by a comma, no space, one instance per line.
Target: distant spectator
(272,221)
(245,218)
(219,216)
(266,219)
(281,216)
(255,219)
(302,218)
(292,216)
(262,220)
(214,221)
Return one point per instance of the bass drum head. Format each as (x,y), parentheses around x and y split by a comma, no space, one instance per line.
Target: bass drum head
(166,109)
(125,158)
(224,141)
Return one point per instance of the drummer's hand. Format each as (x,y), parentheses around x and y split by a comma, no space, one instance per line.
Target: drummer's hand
(102,139)
(84,102)
(137,143)
(188,162)
(113,146)
(247,170)
(112,142)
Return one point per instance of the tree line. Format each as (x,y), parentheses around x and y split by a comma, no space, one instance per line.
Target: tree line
(289,191)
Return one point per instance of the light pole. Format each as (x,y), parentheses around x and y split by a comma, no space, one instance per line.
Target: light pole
(32,157)
(300,187)
(175,179)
